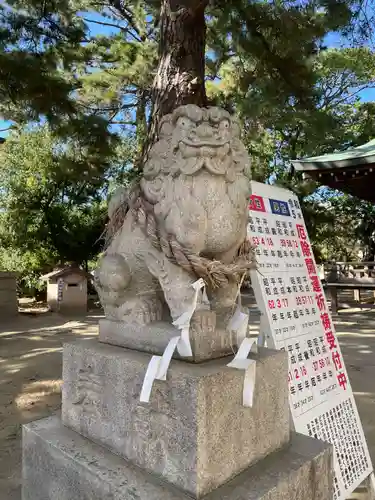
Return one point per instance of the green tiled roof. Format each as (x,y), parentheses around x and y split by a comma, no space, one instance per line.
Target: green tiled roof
(352,157)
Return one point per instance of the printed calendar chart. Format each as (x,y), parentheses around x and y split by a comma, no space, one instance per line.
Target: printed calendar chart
(295,314)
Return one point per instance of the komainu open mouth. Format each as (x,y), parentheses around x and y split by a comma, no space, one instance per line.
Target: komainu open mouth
(197,142)
(207,149)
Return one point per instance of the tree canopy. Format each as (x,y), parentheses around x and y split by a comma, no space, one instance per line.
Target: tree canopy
(83,82)
(94,60)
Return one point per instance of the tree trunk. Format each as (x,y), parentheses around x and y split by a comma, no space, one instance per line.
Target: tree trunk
(180,75)
(141,119)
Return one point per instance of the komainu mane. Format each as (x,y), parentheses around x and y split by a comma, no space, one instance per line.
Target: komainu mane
(187,219)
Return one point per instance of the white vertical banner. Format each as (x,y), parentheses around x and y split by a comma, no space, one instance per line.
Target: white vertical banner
(295,318)
(60,288)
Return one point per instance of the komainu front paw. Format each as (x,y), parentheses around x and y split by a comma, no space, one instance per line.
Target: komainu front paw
(113,273)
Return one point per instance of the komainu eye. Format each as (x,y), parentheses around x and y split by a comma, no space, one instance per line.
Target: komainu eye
(224,124)
(184,122)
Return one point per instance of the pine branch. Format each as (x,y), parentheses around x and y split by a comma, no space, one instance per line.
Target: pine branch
(253,19)
(128,16)
(121,122)
(103,23)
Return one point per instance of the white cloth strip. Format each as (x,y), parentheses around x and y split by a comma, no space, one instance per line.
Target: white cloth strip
(157,369)
(183,322)
(241,362)
(148,381)
(158,365)
(239,322)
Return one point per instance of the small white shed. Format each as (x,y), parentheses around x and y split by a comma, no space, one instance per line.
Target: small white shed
(67,290)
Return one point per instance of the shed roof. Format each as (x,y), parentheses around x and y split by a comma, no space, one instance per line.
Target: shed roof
(62,271)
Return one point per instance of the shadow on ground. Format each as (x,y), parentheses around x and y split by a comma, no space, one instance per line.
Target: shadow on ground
(356,333)
(30,381)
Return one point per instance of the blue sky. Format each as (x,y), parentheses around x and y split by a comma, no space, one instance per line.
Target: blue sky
(332,40)
(367,95)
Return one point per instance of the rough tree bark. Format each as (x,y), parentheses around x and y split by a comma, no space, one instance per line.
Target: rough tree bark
(180,75)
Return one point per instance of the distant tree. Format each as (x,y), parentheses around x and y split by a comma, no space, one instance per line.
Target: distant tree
(47,203)
(103,93)
(156,55)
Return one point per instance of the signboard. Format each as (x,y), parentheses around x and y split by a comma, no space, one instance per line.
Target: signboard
(296,319)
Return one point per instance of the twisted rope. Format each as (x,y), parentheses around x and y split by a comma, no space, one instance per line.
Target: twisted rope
(215,273)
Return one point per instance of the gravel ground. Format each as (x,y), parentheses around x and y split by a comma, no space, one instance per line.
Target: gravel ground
(30,377)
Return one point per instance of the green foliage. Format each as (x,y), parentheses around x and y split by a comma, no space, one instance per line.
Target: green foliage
(51,212)
(317,113)
(39,46)
(337,120)
(28,265)
(76,79)
(354,227)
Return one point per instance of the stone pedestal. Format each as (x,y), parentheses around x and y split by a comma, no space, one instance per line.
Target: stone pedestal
(59,464)
(194,432)
(194,439)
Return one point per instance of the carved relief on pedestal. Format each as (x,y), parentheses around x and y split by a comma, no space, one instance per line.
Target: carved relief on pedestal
(89,390)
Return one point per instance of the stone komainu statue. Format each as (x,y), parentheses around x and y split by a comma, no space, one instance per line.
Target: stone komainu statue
(187,219)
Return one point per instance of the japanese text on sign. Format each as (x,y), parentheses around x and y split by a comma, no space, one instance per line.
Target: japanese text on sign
(291,298)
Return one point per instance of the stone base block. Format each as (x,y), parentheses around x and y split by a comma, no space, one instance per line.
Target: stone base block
(59,464)
(208,336)
(194,432)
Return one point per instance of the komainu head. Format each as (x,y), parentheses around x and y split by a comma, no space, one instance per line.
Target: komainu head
(193,138)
